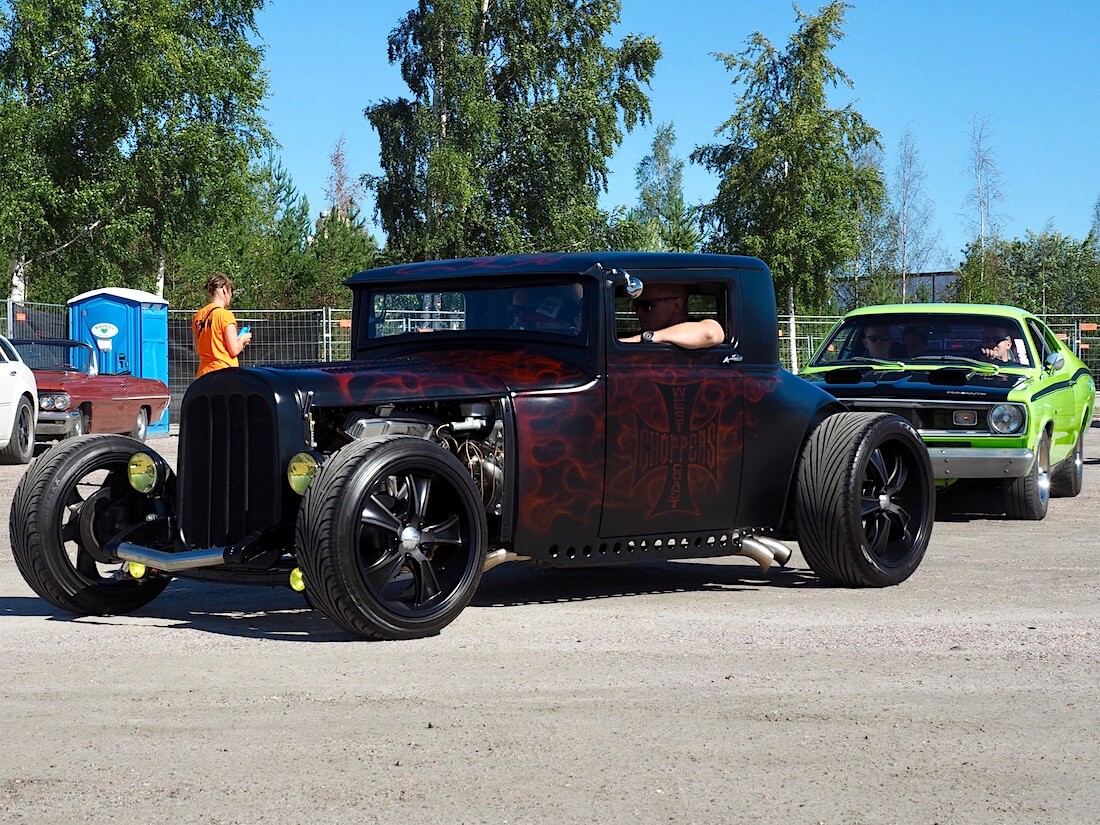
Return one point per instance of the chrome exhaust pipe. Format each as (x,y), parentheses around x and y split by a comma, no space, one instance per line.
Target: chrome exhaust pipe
(499,556)
(757,551)
(778,549)
(170,562)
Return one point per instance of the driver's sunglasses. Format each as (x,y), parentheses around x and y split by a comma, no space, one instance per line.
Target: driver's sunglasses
(647,304)
(877,339)
(995,339)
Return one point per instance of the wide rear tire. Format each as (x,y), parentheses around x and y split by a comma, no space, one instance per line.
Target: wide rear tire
(75,498)
(865,500)
(391,538)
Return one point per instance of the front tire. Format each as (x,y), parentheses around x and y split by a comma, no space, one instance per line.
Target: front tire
(20,448)
(1068,475)
(141,425)
(391,538)
(865,500)
(65,508)
(1029,497)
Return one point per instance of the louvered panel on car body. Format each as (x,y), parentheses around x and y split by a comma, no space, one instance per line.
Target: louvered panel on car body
(228,478)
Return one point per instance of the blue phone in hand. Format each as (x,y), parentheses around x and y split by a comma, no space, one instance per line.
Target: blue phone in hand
(244,329)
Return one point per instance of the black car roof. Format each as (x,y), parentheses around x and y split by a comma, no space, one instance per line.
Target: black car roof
(554,263)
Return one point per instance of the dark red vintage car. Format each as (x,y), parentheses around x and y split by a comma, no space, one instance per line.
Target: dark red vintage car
(530,425)
(74,398)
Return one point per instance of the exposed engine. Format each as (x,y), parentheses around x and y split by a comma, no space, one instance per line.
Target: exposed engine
(473,432)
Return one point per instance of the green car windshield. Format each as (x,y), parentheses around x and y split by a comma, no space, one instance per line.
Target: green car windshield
(926,338)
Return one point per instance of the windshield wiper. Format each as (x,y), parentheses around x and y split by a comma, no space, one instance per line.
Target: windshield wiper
(863,359)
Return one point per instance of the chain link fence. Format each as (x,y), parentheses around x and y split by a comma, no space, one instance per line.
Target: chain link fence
(311,335)
(36,320)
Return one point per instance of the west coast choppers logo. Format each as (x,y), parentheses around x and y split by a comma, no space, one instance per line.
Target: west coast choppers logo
(685,444)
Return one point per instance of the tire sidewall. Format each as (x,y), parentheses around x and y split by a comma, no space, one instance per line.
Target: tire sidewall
(829,491)
(384,456)
(1024,497)
(70,461)
(1067,478)
(20,450)
(895,431)
(141,426)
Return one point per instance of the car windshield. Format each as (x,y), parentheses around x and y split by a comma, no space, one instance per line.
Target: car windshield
(57,355)
(926,338)
(546,308)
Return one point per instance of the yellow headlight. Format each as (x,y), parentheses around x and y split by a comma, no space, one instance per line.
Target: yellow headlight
(144,472)
(300,471)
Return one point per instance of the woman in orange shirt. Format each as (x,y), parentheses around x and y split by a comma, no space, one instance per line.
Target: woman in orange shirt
(214,329)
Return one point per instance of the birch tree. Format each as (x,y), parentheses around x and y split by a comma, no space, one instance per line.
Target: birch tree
(790,189)
(515,109)
(913,211)
(132,122)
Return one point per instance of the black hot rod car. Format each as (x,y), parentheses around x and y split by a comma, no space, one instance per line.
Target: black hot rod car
(491,411)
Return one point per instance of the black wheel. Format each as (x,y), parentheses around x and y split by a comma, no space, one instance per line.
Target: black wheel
(865,500)
(391,538)
(20,448)
(1069,474)
(141,425)
(67,505)
(1028,497)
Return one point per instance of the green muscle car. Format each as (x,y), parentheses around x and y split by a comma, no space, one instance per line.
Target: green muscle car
(994,393)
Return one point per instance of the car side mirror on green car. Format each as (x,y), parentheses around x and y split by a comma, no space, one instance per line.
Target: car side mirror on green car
(1055,361)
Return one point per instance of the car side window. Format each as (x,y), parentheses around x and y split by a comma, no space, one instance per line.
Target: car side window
(1045,339)
(1040,340)
(704,301)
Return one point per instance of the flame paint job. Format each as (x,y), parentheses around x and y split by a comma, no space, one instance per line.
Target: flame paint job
(610,445)
(435,374)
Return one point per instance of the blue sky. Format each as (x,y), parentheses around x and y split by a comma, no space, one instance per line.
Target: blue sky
(1031,69)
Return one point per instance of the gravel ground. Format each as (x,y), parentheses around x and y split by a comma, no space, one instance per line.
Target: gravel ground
(671,692)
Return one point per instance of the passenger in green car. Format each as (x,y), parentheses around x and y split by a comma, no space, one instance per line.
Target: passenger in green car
(996,344)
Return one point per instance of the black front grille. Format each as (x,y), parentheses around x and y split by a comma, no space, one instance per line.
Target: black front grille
(935,417)
(229,483)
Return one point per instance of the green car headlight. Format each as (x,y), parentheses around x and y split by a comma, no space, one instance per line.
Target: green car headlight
(1006,419)
(300,471)
(146,473)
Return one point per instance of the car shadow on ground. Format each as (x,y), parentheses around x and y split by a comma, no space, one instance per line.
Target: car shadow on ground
(277,613)
(246,611)
(966,500)
(512,585)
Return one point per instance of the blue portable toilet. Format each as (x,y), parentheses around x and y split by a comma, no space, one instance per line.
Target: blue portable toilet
(128,329)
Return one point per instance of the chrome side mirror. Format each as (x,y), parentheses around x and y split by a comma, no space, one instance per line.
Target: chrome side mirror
(1055,361)
(633,286)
